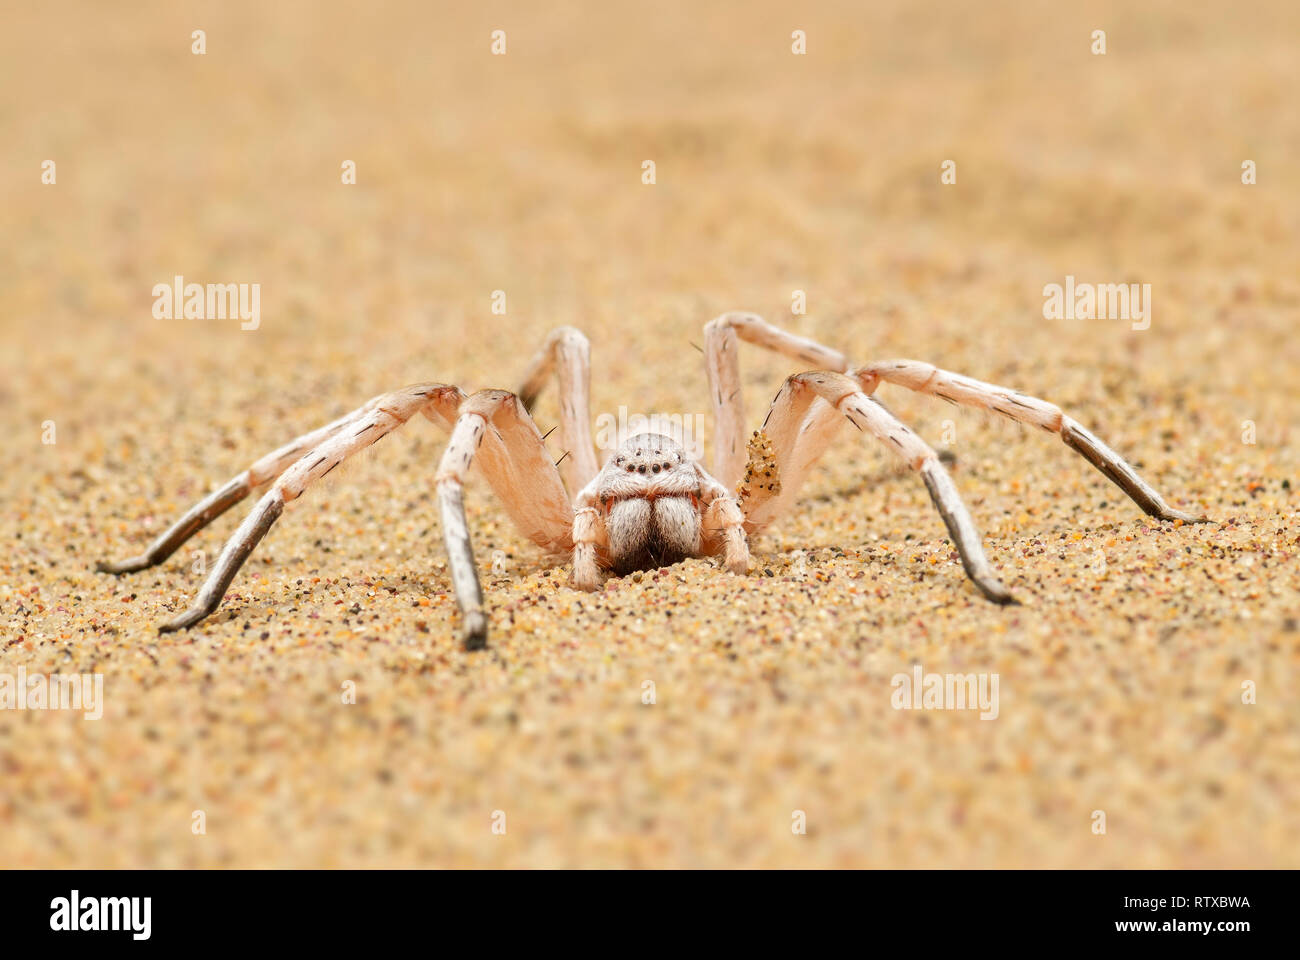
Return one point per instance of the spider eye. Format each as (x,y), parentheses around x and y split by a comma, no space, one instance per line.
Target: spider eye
(655,468)
(630,468)
(641,469)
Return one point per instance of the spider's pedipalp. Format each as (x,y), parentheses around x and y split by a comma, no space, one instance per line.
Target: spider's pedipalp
(966,391)
(589,537)
(724,521)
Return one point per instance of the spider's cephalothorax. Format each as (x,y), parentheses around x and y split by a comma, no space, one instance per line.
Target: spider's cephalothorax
(649,492)
(650,504)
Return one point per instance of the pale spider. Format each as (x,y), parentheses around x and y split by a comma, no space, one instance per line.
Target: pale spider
(650,504)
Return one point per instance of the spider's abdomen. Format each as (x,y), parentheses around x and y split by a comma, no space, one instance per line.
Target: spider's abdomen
(647,533)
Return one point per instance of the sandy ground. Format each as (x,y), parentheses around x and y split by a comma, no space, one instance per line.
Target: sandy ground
(1121,675)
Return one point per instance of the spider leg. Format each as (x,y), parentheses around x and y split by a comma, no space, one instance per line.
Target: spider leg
(799,426)
(494,427)
(236,489)
(568,353)
(722,360)
(926,378)
(589,536)
(724,524)
(371,423)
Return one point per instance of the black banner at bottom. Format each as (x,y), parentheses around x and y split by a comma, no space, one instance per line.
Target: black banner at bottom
(1218,910)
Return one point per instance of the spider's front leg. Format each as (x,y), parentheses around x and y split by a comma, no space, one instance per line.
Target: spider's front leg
(456,460)
(493,427)
(797,430)
(567,352)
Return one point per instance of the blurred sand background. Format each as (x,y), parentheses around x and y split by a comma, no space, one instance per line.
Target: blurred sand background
(1120,682)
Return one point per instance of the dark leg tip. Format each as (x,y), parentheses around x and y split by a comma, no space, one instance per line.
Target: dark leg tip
(474,631)
(184,621)
(1170,514)
(121,566)
(994,591)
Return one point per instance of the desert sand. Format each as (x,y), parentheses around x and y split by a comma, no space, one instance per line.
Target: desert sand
(1122,673)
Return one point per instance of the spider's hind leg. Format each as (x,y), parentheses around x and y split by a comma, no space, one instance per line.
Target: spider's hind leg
(965,391)
(222,499)
(353,433)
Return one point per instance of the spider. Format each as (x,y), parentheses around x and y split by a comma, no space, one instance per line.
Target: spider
(650,504)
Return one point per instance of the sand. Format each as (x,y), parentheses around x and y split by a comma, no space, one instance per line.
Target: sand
(1121,674)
